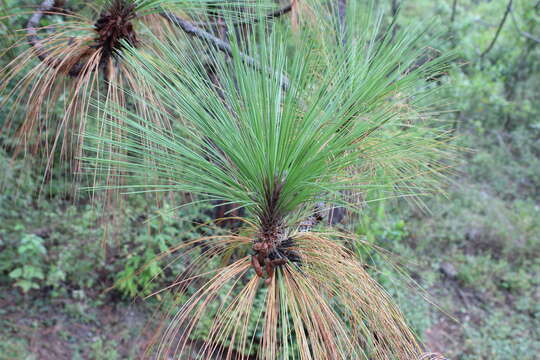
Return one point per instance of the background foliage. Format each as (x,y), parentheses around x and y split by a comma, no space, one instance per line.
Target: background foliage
(474,252)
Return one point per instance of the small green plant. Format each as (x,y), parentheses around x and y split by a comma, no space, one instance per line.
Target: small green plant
(139,272)
(378,230)
(101,349)
(29,270)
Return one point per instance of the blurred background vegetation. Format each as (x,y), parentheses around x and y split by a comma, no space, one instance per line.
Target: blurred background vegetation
(69,270)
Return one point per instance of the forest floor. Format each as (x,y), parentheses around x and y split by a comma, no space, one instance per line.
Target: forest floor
(475,255)
(69,329)
(467,326)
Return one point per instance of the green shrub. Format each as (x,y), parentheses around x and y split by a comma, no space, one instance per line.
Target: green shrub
(28,266)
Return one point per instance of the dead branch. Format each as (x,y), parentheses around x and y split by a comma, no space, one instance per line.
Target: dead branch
(273,15)
(190,29)
(454,8)
(521,32)
(36,43)
(501,24)
(33,24)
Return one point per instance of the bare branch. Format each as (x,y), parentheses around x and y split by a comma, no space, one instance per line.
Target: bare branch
(395,7)
(36,43)
(275,14)
(453,16)
(505,16)
(221,45)
(272,15)
(33,23)
(521,32)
